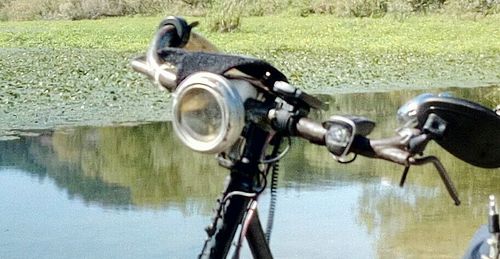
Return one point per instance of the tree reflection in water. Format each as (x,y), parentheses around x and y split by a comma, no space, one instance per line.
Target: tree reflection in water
(144,166)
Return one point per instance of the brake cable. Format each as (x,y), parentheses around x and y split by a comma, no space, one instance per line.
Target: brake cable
(276,156)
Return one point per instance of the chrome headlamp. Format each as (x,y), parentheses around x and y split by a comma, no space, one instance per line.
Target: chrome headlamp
(407,114)
(208,111)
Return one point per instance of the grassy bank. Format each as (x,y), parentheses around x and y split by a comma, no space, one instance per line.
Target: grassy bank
(424,34)
(76,72)
(317,52)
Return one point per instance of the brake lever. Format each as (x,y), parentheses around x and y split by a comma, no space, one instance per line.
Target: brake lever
(403,176)
(417,142)
(442,173)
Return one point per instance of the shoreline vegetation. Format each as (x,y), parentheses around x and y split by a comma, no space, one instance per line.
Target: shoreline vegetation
(225,15)
(63,72)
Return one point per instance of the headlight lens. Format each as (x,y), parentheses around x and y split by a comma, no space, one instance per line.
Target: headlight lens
(208,113)
(200,113)
(340,134)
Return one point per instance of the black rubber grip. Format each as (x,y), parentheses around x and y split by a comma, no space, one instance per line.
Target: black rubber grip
(493,224)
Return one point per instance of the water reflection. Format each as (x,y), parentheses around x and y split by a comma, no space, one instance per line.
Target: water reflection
(145,168)
(141,166)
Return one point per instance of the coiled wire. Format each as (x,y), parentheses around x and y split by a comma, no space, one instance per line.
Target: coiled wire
(272,203)
(274,167)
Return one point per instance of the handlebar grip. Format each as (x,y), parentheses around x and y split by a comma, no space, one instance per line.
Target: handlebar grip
(176,32)
(362,146)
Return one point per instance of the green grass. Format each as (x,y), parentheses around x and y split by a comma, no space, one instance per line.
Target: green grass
(434,34)
(60,72)
(423,34)
(307,49)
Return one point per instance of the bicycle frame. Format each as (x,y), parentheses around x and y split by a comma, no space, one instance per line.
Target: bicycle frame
(238,206)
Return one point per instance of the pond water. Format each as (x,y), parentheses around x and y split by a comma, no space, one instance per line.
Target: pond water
(136,192)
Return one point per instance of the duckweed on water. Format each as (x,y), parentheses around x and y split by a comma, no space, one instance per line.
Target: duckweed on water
(42,88)
(77,72)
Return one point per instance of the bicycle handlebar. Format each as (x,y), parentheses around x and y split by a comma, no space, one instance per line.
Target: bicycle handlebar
(311,130)
(394,149)
(391,149)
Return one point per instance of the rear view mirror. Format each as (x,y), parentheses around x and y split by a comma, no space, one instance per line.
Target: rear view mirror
(471,133)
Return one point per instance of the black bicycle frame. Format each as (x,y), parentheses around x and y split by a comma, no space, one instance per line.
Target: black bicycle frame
(244,178)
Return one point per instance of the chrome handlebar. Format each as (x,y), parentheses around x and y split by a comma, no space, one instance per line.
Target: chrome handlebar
(394,149)
(151,64)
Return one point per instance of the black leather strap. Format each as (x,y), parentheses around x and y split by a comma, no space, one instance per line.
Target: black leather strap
(188,63)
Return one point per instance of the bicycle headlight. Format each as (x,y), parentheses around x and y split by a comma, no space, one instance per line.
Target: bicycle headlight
(340,135)
(209,115)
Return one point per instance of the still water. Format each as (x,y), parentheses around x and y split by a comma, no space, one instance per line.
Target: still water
(136,192)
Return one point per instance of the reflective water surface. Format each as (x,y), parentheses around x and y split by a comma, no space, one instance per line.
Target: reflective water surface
(136,192)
